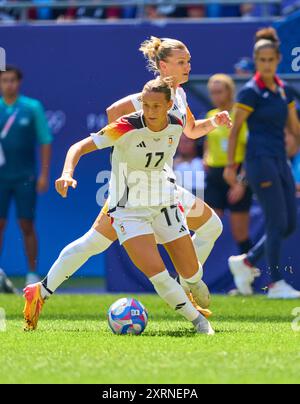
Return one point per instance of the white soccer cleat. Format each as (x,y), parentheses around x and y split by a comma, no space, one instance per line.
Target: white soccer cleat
(203,326)
(32,278)
(243,274)
(282,290)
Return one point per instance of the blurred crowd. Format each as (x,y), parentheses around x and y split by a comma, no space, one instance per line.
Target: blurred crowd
(245,10)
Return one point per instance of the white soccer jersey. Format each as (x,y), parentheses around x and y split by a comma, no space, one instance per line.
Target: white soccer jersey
(138,161)
(179,109)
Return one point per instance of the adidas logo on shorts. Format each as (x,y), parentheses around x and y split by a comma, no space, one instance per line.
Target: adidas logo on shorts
(143,144)
(182,229)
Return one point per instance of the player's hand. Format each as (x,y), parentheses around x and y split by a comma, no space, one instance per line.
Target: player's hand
(63,183)
(236,193)
(42,184)
(223,119)
(230,175)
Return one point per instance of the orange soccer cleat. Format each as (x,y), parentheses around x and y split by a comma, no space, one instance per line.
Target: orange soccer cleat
(205,312)
(33,306)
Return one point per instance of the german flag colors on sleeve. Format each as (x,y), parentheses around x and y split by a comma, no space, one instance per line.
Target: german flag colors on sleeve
(112,133)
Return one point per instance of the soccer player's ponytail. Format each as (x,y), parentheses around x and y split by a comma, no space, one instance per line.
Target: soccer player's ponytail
(266,38)
(159,49)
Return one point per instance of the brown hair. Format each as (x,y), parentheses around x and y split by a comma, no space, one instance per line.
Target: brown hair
(266,38)
(157,49)
(159,85)
(224,79)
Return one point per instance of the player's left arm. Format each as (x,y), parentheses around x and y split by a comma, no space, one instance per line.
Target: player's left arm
(44,138)
(293,121)
(195,129)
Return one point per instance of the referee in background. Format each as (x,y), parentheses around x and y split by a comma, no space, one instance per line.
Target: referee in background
(23,126)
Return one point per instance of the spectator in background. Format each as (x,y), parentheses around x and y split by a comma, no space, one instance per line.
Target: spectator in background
(153,13)
(113,13)
(196,12)
(89,13)
(218,194)
(22,126)
(293,152)
(187,165)
(268,106)
(214,10)
(7,14)
(43,13)
(129,12)
(247,11)
(244,67)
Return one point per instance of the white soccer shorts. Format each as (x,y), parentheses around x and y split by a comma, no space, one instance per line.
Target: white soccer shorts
(186,199)
(166,223)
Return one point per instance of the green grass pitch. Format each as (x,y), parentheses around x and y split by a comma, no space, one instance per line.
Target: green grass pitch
(254,344)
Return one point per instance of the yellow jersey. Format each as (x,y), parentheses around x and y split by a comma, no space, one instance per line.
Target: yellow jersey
(217,144)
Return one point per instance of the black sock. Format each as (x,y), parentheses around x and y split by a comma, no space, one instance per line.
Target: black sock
(245,246)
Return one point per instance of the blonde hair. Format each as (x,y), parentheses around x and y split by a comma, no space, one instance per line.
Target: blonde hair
(224,79)
(159,85)
(157,49)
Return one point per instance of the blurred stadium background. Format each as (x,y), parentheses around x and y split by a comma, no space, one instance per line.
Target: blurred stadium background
(78,57)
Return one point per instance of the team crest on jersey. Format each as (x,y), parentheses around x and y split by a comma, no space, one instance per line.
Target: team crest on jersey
(171,141)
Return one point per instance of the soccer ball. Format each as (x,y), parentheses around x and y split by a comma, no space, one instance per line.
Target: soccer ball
(127,316)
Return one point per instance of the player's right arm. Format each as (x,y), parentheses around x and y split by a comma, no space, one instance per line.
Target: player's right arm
(111,135)
(74,154)
(230,172)
(125,106)
(246,105)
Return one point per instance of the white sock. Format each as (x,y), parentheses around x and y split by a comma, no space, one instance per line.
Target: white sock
(205,237)
(72,258)
(173,294)
(196,278)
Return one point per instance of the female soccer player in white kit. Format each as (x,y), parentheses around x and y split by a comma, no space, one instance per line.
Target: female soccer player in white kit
(171,57)
(140,209)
